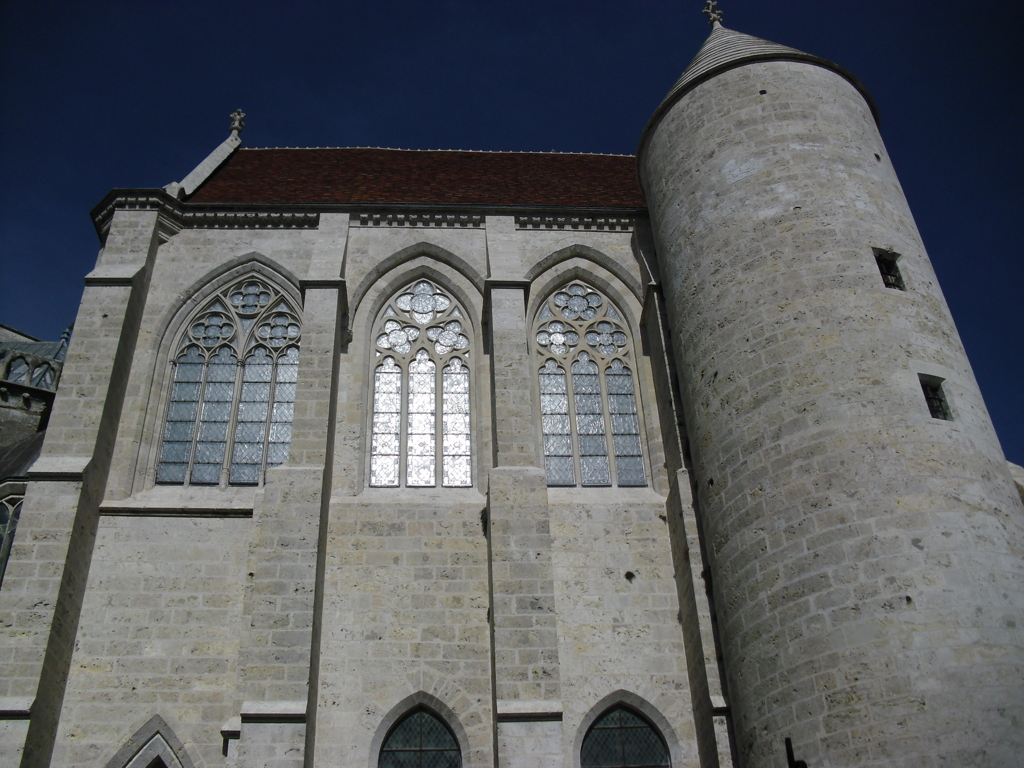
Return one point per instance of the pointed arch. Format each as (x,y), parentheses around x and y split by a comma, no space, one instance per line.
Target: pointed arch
(421,351)
(431,251)
(232,391)
(252,262)
(587,369)
(421,701)
(578,250)
(154,744)
(640,708)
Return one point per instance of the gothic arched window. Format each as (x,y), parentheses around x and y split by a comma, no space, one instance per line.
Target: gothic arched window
(587,391)
(619,738)
(420,434)
(233,395)
(420,740)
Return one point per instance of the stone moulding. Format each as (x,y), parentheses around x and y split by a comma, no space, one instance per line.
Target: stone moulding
(599,223)
(174,216)
(461,220)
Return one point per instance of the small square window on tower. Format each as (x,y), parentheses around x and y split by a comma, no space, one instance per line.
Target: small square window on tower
(889,269)
(938,406)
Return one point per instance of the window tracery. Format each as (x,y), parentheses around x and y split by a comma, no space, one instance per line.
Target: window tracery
(586,350)
(420,432)
(233,392)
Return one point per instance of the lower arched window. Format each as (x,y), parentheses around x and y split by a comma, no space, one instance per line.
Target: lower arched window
(621,737)
(420,740)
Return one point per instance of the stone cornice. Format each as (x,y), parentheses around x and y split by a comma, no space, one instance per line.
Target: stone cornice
(463,220)
(597,223)
(176,216)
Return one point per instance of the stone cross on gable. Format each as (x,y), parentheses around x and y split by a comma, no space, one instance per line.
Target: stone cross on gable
(711,11)
(236,120)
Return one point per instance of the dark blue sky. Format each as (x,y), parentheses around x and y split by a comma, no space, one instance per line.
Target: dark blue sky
(105,94)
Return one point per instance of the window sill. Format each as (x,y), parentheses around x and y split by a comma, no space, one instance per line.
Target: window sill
(194,501)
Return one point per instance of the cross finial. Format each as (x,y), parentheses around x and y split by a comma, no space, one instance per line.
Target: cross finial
(711,11)
(236,121)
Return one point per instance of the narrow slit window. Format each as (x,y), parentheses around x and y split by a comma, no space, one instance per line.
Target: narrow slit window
(586,350)
(890,270)
(938,405)
(421,433)
(233,390)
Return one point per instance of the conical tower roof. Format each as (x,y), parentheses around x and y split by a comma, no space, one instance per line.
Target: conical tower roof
(726,49)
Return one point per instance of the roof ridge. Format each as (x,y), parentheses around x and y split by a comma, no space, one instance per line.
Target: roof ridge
(474,151)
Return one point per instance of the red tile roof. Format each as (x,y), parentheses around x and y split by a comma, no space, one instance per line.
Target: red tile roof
(455,178)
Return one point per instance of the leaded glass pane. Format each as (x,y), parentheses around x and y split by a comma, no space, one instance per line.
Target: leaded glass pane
(600,386)
(420,327)
(594,468)
(555,422)
(622,739)
(420,741)
(421,447)
(181,417)
(387,407)
(257,415)
(213,432)
(384,471)
(629,465)
(280,438)
(456,447)
(206,474)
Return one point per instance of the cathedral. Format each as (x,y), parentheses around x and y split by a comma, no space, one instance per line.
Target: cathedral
(376,458)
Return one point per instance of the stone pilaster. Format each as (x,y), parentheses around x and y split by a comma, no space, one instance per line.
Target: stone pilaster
(49,564)
(280,648)
(527,687)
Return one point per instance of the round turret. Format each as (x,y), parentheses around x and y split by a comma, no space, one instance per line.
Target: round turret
(864,535)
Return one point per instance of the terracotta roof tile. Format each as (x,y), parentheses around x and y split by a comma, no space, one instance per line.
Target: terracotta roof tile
(395,176)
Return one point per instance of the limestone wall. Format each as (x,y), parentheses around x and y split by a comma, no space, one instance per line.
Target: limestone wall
(866,556)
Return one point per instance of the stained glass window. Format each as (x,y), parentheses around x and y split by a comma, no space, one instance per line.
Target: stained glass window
(621,738)
(420,432)
(233,392)
(420,740)
(10,511)
(584,348)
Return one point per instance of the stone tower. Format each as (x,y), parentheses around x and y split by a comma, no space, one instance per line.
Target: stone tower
(863,533)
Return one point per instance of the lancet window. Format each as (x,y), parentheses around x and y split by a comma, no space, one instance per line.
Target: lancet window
(621,737)
(420,433)
(233,391)
(587,389)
